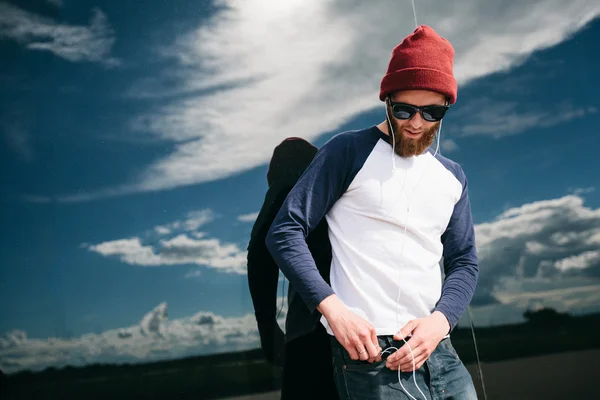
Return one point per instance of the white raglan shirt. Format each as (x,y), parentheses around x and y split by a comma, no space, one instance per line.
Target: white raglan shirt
(391,220)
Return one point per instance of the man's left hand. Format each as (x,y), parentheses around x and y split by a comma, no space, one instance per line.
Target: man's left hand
(426,334)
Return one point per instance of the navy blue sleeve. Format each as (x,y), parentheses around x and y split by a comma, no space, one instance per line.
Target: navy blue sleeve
(317,190)
(460,259)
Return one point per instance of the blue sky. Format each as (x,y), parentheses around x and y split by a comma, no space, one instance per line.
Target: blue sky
(130,151)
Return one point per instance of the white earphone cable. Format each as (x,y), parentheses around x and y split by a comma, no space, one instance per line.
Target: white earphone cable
(414,13)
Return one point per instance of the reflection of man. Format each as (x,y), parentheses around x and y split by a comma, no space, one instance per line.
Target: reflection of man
(307,369)
(394,209)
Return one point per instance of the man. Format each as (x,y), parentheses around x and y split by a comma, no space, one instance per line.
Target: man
(304,351)
(394,210)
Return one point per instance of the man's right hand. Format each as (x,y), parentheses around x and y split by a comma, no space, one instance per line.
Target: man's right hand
(353,332)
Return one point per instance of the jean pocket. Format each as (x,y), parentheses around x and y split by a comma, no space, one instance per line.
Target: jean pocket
(349,364)
(363,366)
(446,345)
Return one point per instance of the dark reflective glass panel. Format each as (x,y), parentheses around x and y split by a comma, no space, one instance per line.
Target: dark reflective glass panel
(136,141)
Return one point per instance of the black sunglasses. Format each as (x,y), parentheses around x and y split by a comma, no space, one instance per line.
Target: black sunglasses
(405,111)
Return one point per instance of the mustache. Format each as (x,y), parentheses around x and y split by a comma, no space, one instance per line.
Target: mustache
(406,147)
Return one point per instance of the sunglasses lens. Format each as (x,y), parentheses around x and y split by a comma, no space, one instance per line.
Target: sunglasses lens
(434,113)
(402,111)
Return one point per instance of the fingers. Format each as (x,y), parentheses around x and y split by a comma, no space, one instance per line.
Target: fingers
(409,367)
(414,348)
(352,352)
(367,351)
(406,363)
(406,330)
(363,354)
(366,354)
(357,336)
(365,346)
(357,349)
(359,352)
(362,348)
(414,351)
(377,356)
(372,350)
(404,352)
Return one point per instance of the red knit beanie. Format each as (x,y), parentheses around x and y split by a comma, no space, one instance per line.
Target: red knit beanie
(423,61)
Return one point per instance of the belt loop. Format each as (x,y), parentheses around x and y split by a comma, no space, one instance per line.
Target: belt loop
(389,341)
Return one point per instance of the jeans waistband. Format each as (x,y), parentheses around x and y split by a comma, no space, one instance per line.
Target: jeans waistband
(385,342)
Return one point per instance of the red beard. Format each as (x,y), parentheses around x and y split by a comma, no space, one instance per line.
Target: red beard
(406,147)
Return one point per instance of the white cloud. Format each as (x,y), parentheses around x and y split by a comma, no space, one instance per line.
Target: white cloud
(248,217)
(18,140)
(185,246)
(544,242)
(575,296)
(180,250)
(449,145)
(193,221)
(12,339)
(585,190)
(195,273)
(197,219)
(258,64)
(36,199)
(498,119)
(561,299)
(14,127)
(74,43)
(584,260)
(162,230)
(56,3)
(131,251)
(154,338)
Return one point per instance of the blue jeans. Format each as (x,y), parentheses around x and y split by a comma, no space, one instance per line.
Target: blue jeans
(443,376)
